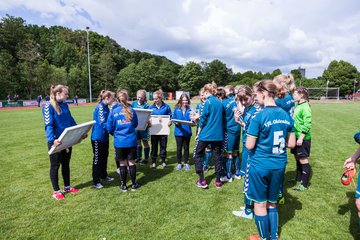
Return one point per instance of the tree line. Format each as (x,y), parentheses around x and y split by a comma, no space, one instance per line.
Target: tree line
(33,57)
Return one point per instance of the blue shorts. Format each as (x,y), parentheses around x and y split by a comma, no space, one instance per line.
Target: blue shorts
(143,134)
(264,184)
(233,142)
(357,194)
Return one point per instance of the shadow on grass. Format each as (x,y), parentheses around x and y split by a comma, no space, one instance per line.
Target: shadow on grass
(149,174)
(350,206)
(287,211)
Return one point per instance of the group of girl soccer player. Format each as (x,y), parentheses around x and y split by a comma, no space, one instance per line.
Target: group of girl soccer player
(265,114)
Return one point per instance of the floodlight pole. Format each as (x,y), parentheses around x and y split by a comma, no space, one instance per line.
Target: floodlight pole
(327,88)
(353,97)
(88,57)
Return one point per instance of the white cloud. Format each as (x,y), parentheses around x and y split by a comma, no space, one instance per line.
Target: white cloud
(245,34)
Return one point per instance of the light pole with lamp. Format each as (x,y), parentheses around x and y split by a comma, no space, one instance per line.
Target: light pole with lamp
(88,57)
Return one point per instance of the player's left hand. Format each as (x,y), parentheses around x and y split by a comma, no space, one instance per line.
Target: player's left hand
(299,142)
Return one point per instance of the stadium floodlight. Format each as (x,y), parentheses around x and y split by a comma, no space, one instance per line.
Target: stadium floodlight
(88,57)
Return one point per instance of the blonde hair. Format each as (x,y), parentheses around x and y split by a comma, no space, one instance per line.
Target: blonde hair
(104,94)
(141,92)
(243,91)
(123,98)
(287,83)
(159,93)
(266,86)
(229,90)
(211,88)
(53,91)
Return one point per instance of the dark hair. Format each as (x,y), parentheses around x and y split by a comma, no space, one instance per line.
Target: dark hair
(304,91)
(220,93)
(266,86)
(180,99)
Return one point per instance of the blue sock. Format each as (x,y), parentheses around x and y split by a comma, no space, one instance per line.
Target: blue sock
(229,167)
(262,224)
(146,152)
(237,164)
(208,156)
(274,222)
(139,152)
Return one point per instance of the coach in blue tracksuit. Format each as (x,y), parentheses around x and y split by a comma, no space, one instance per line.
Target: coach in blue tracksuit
(211,131)
(57,117)
(269,133)
(159,108)
(121,123)
(100,139)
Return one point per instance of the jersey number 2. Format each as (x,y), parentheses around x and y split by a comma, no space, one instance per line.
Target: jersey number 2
(279,143)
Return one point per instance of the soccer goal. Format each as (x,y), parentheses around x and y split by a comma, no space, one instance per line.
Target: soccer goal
(324,93)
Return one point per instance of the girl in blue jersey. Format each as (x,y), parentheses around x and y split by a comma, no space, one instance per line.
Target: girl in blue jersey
(121,123)
(248,108)
(199,108)
(100,138)
(285,85)
(159,108)
(57,117)
(231,146)
(210,131)
(142,135)
(182,132)
(270,131)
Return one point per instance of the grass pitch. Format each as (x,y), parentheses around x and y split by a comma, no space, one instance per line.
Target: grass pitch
(168,205)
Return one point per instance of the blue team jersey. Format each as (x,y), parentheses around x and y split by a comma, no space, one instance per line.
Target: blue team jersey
(229,106)
(271,127)
(287,103)
(100,115)
(164,109)
(123,129)
(212,120)
(248,115)
(55,124)
(182,130)
(135,104)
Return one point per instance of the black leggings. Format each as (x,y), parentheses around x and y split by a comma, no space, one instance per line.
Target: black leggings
(101,153)
(56,159)
(199,153)
(155,140)
(181,142)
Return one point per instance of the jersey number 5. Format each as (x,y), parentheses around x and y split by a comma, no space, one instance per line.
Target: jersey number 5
(279,143)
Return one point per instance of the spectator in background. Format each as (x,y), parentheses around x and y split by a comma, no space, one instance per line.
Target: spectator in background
(8,98)
(76,100)
(16,98)
(39,99)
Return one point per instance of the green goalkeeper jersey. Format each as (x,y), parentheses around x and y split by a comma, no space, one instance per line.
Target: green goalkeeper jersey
(302,120)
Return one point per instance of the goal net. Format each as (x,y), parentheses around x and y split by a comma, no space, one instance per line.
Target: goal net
(323,93)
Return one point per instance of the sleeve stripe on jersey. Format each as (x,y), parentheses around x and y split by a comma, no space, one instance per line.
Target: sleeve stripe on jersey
(46,114)
(248,134)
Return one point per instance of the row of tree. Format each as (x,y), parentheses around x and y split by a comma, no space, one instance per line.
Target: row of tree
(34,57)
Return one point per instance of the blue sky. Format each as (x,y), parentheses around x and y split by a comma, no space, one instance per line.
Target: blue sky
(258,35)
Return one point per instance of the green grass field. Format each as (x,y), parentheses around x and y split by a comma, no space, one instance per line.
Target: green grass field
(168,205)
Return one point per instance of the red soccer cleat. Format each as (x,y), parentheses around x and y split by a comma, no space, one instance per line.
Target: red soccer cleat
(70,190)
(254,237)
(58,195)
(348,176)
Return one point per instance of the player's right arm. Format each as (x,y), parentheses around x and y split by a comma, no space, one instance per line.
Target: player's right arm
(48,114)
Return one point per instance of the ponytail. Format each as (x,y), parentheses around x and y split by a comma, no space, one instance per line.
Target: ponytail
(123,97)
(104,94)
(53,91)
(211,88)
